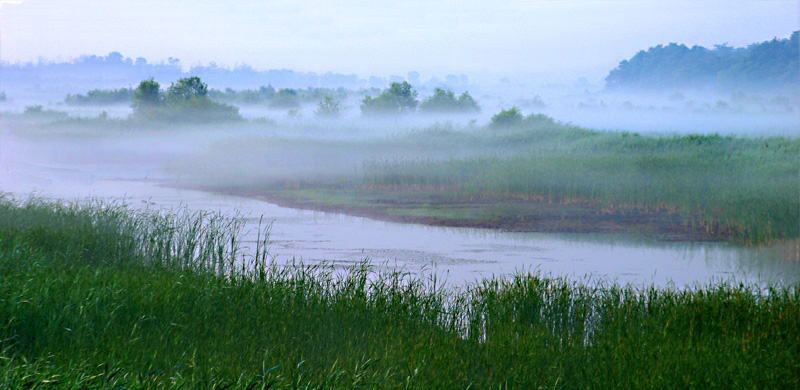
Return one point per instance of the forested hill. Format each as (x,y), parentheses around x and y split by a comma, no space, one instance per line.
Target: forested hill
(771,64)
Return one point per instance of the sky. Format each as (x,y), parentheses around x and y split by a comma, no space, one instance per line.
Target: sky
(377,37)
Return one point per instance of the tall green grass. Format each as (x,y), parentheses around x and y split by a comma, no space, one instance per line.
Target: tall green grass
(744,189)
(103,296)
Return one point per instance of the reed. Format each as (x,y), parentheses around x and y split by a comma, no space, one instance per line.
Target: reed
(99,295)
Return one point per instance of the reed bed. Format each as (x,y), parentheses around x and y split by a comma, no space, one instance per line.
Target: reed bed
(742,189)
(98,295)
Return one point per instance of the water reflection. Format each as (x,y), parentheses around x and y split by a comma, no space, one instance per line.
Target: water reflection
(459,254)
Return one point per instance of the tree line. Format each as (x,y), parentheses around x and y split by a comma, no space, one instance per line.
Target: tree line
(771,64)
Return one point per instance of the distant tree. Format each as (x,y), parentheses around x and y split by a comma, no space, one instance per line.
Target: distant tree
(467,103)
(534,121)
(147,99)
(399,98)
(33,110)
(114,57)
(3,96)
(329,107)
(451,80)
(536,102)
(186,89)
(267,92)
(285,98)
(101,97)
(507,118)
(770,64)
(413,77)
(185,100)
(445,101)
(38,111)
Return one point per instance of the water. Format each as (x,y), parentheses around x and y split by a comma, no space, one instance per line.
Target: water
(461,255)
(132,167)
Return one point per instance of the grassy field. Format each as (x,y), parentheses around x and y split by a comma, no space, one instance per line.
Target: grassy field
(541,176)
(102,296)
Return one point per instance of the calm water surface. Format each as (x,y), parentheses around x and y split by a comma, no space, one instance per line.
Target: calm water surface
(461,255)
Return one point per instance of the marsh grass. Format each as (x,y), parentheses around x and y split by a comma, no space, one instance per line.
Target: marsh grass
(742,189)
(98,295)
(736,188)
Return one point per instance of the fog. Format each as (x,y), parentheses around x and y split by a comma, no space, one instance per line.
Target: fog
(561,39)
(762,113)
(441,114)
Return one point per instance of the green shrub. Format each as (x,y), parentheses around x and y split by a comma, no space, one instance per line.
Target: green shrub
(399,98)
(101,97)
(185,100)
(39,112)
(329,107)
(285,98)
(507,118)
(446,101)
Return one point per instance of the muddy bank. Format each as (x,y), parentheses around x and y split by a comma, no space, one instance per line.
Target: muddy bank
(505,215)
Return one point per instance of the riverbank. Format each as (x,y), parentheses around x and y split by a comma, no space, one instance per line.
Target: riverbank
(513,215)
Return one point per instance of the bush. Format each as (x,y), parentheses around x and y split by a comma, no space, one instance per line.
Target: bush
(147,99)
(446,101)
(38,111)
(285,98)
(329,107)
(185,100)
(399,98)
(540,120)
(101,97)
(507,118)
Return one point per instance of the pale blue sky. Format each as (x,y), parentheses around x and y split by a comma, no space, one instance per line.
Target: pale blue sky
(501,37)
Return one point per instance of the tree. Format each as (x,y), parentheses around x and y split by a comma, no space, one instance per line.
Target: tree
(399,98)
(147,100)
(507,118)
(148,93)
(467,103)
(187,89)
(445,101)
(186,100)
(285,98)
(329,107)
(770,64)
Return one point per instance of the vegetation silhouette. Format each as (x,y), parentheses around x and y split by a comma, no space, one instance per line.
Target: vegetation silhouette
(186,100)
(399,98)
(444,100)
(770,64)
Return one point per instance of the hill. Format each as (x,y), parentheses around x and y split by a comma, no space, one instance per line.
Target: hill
(770,65)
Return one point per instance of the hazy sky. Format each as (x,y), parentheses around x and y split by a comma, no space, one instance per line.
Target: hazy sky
(385,37)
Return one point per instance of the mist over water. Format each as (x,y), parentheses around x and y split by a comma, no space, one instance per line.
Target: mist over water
(63,162)
(82,128)
(383,194)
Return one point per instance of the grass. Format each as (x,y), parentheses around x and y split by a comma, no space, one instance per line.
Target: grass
(103,296)
(747,191)
(742,189)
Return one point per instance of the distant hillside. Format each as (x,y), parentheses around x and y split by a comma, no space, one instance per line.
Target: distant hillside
(771,64)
